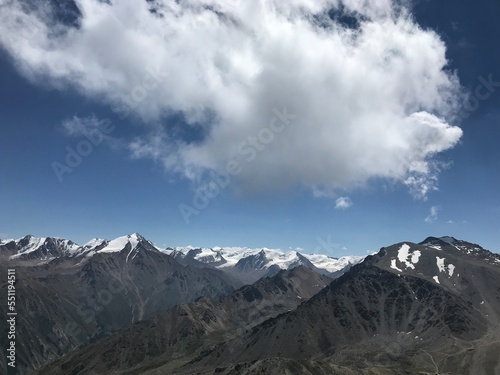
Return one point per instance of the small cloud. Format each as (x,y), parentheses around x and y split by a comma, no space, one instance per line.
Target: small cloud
(433,214)
(450,222)
(79,125)
(343,203)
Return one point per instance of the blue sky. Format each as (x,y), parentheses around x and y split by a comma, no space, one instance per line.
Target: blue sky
(290,194)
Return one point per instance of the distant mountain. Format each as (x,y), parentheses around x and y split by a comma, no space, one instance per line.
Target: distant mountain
(249,265)
(413,308)
(70,295)
(243,265)
(191,331)
(37,249)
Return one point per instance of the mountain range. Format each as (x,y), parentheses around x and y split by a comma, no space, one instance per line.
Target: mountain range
(70,295)
(412,308)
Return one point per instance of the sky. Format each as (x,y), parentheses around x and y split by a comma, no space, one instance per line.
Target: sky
(330,126)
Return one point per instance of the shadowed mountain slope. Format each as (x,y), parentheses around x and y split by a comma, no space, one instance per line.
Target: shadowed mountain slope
(171,339)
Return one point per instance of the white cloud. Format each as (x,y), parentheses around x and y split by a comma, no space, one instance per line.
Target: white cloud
(433,214)
(80,125)
(372,102)
(343,203)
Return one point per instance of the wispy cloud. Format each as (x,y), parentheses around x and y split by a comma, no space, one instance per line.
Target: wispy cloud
(343,203)
(373,99)
(433,214)
(77,125)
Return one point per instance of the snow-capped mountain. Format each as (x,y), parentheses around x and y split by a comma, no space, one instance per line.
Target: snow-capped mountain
(43,249)
(231,256)
(38,248)
(244,264)
(131,244)
(251,264)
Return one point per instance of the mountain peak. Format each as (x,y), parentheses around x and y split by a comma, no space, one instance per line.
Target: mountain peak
(137,236)
(40,248)
(448,239)
(437,240)
(130,242)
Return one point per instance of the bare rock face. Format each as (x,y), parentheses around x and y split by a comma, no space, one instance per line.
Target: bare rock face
(194,330)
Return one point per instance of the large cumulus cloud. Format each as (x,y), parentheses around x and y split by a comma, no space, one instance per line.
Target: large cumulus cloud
(369,88)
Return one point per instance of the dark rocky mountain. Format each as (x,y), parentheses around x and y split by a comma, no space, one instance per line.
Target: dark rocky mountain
(68,296)
(432,307)
(170,339)
(427,308)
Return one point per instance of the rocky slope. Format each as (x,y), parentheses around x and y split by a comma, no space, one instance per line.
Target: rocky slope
(428,308)
(67,297)
(432,307)
(171,339)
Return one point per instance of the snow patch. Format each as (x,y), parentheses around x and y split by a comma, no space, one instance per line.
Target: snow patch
(394,266)
(436,279)
(403,253)
(440,264)
(408,258)
(415,256)
(436,247)
(451,269)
